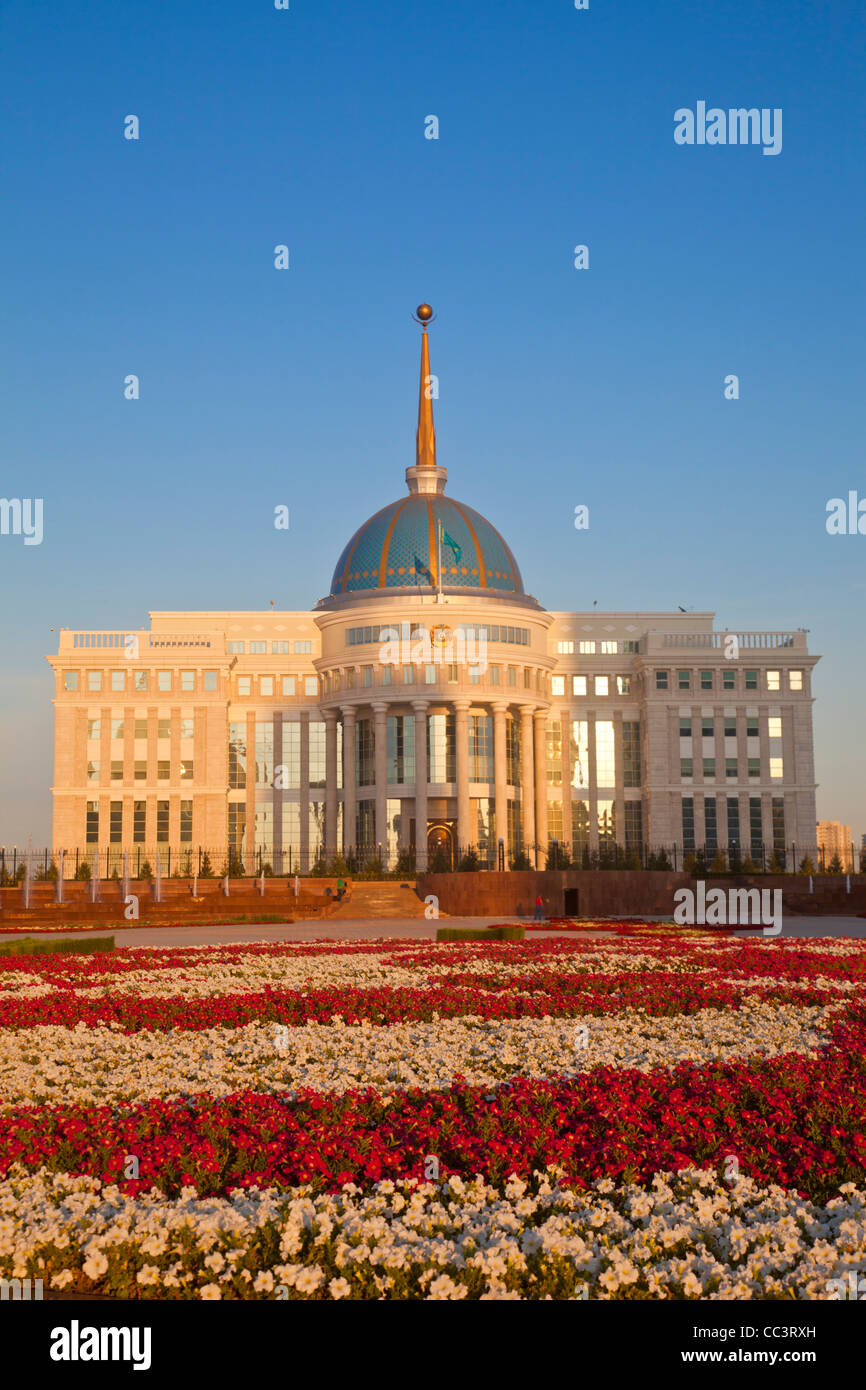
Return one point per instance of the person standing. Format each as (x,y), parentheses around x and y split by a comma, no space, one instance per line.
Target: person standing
(539,913)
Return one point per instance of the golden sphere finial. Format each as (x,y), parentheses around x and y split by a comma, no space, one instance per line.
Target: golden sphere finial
(424,313)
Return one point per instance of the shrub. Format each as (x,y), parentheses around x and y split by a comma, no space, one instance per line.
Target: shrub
(206,870)
(82,873)
(558,857)
(405,866)
(34,946)
(503,933)
(470,863)
(719,864)
(806,866)
(520,861)
(775,865)
(144,872)
(440,862)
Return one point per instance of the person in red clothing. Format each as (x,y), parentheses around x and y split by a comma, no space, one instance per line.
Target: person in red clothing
(539,914)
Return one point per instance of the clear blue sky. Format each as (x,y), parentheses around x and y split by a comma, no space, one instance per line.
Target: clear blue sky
(557,386)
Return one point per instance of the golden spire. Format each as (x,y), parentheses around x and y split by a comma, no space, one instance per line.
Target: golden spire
(426,476)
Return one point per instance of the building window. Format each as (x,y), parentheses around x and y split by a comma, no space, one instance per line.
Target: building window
(779,825)
(774,681)
(731,769)
(756,833)
(279,648)
(115,822)
(186,822)
(605,761)
(94,728)
(441,748)
(711,828)
(266,685)
(688,824)
(117,728)
(494,676)
(289,684)
(245,685)
(578,685)
(303,648)
(368,675)
(751,680)
(186,728)
(408,675)
(163,680)
(753,767)
(579,831)
(365,772)
(608,648)
(187,680)
(730,726)
(729,680)
(387,675)
(140,771)
(118,680)
(579,754)
(94,680)
(235,648)
(117,770)
(258,648)
(661,680)
(685,728)
(733,823)
(238,754)
(93,771)
(557,685)
(512,750)
(512,675)
(401,749)
(140,728)
(527,678)
(623,685)
(707,728)
(430,675)
(684,680)
(553,753)
(163,728)
(565,648)
(706,680)
(686,767)
(91,830)
(795,680)
(163,772)
(752,726)
(264,753)
(601,685)
(350,677)
(237,827)
(774,726)
(210,680)
(606,825)
(139,822)
(318,752)
(187,770)
(777,769)
(631,753)
(709,769)
(586,648)
(70,680)
(634,826)
(291,759)
(480,748)
(140,680)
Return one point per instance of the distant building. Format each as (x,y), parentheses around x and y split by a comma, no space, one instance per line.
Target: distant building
(835,838)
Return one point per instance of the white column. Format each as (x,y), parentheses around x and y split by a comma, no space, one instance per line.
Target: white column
(348,778)
(330,716)
(380,713)
(500,777)
(527,779)
(465,835)
(420,707)
(541,786)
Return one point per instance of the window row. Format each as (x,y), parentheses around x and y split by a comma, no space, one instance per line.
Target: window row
(277,685)
(258,648)
(362,636)
(708,726)
(753,768)
(185,770)
(596,685)
(430,673)
(142,832)
(121,681)
(139,728)
(705,680)
(754,841)
(604,647)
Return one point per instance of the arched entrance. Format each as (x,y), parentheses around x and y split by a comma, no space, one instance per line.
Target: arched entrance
(440,837)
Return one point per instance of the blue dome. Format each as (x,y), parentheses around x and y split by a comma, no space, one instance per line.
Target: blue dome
(397,549)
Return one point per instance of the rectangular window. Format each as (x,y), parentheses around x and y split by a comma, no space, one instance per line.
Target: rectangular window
(318,751)
(731,769)
(565,648)
(608,648)
(685,728)
(70,680)
(187,770)
(258,648)
(733,823)
(408,675)
(661,680)
(210,680)
(117,728)
(266,685)
(94,728)
(634,826)
(94,680)
(605,761)
(730,726)
(235,648)
(140,771)
(368,675)
(711,828)
(305,648)
(601,685)
(118,680)
(512,675)
(586,648)
(684,680)
(441,748)
(117,770)
(578,685)
(186,728)
(623,685)
(365,753)
(311,685)
(91,830)
(245,685)
(606,825)
(774,726)
(187,680)
(237,827)
(163,680)
(186,822)
(140,728)
(93,771)
(163,770)
(527,678)
(751,726)
(494,676)
(480,748)
(238,754)
(795,680)
(387,675)
(729,680)
(688,824)
(777,769)
(139,822)
(779,825)
(706,680)
(291,778)
(289,685)
(553,754)
(687,767)
(631,753)
(115,822)
(707,728)
(162,822)
(756,832)
(264,753)
(751,680)
(140,680)
(401,749)
(754,767)
(709,769)
(774,680)
(163,728)
(579,756)
(557,685)
(279,648)
(474,675)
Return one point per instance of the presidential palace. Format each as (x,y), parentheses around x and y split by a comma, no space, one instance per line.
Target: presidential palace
(429,703)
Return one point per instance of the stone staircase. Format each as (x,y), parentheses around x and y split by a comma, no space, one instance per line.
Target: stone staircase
(379,899)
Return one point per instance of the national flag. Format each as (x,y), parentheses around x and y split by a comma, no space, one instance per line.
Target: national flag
(454,546)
